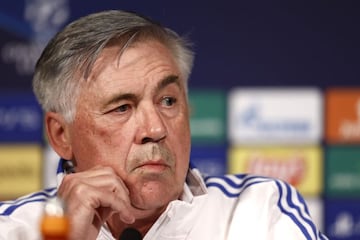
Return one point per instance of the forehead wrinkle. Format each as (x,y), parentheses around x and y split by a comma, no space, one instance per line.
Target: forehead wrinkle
(109,59)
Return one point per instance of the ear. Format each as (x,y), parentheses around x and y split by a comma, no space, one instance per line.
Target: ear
(57,130)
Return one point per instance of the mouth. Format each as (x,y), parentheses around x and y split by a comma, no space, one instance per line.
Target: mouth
(153,166)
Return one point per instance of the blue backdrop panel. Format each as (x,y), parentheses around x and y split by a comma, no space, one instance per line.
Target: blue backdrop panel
(342,220)
(210,160)
(237,43)
(20,118)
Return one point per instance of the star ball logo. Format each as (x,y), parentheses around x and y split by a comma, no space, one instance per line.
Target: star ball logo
(44,18)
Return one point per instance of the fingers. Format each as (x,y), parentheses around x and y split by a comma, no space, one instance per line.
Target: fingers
(92,197)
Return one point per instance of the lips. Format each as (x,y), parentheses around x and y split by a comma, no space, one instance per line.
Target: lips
(153,165)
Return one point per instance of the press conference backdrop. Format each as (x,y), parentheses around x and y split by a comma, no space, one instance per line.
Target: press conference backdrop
(275,91)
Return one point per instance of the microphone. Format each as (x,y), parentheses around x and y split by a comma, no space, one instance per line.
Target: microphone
(68,166)
(130,234)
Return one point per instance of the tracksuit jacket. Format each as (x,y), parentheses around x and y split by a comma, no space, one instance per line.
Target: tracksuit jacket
(225,207)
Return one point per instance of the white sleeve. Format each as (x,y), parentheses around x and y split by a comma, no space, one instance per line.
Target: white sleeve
(272,210)
(16,230)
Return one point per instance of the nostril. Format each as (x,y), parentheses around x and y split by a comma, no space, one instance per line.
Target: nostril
(150,139)
(146,140)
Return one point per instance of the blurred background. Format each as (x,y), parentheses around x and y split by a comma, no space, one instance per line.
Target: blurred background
(275,91)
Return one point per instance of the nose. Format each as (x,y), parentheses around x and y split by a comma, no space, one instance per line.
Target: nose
(151,127)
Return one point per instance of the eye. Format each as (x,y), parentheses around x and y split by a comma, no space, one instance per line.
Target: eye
(168,101)
(122,108)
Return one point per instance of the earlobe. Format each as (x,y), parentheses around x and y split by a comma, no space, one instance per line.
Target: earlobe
(58,134)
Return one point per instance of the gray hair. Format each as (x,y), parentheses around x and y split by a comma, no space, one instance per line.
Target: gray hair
(70,55)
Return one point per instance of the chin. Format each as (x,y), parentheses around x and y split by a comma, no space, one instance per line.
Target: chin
(154,195)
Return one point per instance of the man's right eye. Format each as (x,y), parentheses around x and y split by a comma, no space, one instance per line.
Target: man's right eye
(122,108)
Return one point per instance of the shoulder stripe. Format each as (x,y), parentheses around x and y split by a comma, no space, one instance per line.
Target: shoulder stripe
(8,207)
(322,236)
(49,192)
(8,211)
(293,205)
(233,185)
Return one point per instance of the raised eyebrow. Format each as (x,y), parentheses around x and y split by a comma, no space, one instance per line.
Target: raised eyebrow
(130,96)
(167,81)
(119,97)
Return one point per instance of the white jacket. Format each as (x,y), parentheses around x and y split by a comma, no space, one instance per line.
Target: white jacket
(213,208)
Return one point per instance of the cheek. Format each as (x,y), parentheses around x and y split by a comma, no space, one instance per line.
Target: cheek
(182,141)
(98,132)
(182,128)
(93,144)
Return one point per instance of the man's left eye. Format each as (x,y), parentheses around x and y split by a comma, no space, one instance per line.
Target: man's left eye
(168,101)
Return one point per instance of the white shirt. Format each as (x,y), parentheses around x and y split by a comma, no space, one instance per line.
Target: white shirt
(214,208)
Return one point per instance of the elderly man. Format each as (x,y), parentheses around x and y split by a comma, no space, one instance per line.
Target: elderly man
(113,86)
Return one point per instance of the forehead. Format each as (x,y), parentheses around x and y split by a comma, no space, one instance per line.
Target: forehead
(140,57)
(139,66)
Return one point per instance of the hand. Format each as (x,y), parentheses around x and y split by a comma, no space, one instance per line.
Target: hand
(91,197)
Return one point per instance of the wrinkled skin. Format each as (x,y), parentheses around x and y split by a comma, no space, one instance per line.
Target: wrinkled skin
(130,141)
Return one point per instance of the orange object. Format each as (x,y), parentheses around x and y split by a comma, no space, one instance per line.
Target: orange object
(55,224)
(342,115)
(55,227)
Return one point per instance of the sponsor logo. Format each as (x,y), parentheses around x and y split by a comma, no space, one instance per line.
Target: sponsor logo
(345,225)
(20,118)
(20,170)
(291,170)
(207,127)
(299,166)
(22,55)
(342,171)
(253,117)
(283,116)
(343,115)
(208,113)
(45,18)
(350,129)
(342,219)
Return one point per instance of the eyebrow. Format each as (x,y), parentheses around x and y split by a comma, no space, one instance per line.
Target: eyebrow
(130,96)
(167,81)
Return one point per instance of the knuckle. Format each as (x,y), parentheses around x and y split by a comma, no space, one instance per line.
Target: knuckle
(79,190)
